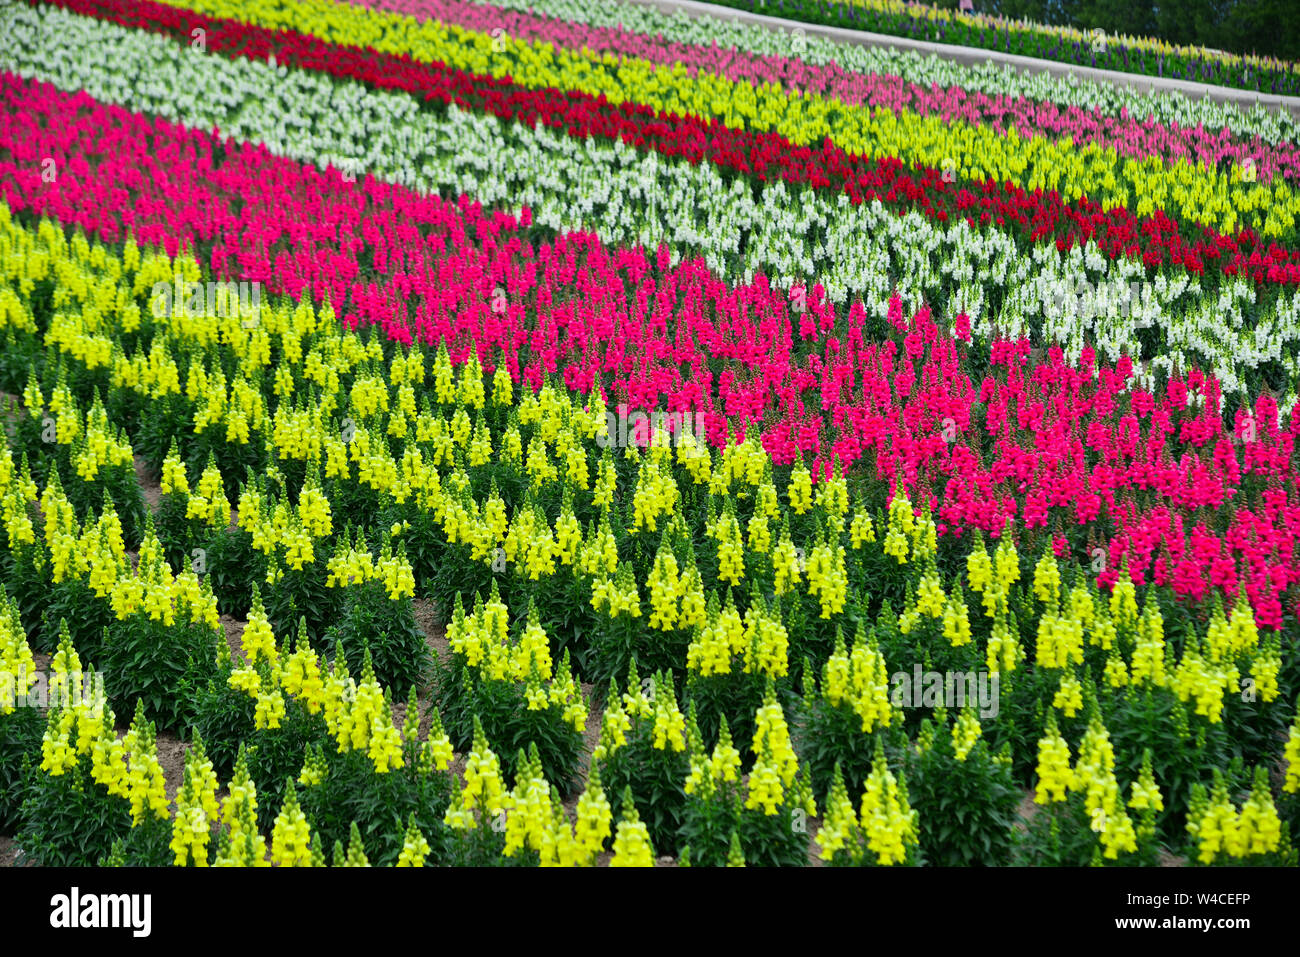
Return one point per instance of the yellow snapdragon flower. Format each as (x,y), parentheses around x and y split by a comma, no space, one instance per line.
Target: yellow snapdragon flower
(632,840)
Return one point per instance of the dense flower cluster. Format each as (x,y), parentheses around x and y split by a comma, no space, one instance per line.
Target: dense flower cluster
(883,832)
(736,370)
(1038,210)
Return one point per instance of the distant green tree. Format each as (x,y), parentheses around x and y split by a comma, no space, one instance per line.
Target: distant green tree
(1264,27)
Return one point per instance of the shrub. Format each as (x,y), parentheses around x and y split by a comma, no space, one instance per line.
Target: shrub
(387,628)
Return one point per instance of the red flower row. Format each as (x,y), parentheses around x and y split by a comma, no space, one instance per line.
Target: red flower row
(1038,216)
(1074,452)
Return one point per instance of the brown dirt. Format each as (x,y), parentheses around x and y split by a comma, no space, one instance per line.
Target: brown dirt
(814,852)
(457,767)
(424,707)
(8,852)
(426,615)
(150,489)
(171,755)
(435,637)
(590,738)
(234,629)
(591,730)
(1025,812)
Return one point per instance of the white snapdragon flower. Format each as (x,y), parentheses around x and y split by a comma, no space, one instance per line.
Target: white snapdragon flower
(795,233)
(1272,126)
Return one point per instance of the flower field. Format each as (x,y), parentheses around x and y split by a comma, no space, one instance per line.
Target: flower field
(1093,47)
(452,433)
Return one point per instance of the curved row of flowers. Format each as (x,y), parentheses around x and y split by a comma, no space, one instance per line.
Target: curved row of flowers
(1148,56)
(1179,112)
(1149,700)
(1051,445)
(793,235)
(1037,217)
(1125,133)
(760,124)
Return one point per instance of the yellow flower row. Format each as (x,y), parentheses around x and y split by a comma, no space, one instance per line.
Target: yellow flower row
(558,420)
(127,768)
(1196,192)
(558,426)
(483,638)
(982,21)
(677,598)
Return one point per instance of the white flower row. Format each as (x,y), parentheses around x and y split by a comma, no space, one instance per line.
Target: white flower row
(1273,126)
(793,235)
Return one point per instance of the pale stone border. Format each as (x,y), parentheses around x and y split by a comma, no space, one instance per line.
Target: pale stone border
(973,56)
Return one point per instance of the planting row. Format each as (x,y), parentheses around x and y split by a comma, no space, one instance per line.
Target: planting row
(766,644)
(765,130)
(1105,99)
(1130,134)
(1147,56)
(853,250)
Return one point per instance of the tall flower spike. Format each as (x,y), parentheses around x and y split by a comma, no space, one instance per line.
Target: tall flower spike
(415,849)
(291,835)
(735,855)
(632,841)
(356,856)
(411,726)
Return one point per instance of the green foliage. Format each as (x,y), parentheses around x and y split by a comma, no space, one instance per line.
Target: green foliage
(445,571)
(21,732)
(1185,747)
(303,593)
(222,716)
(510,727)
(1061,834)
(387,627)
(965,808)
(481,846)
(827,735)
(563,605)
(146,845)
(619,644)
(69,821)
(178,535)
(733,697)
(163,422)
(711,822)
(515,711)
(655,777)
(29,585)
(276,754)
(86,615)
(149,661)
(351,792)
(234,567)
(19,354)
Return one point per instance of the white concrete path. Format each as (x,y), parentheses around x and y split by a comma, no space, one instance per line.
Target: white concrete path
(973,56)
